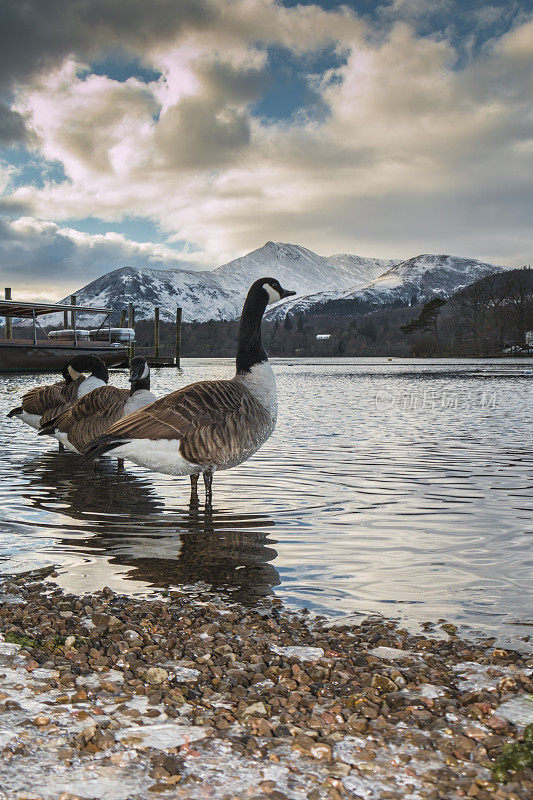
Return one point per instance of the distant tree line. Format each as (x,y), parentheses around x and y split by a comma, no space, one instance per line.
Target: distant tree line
(488,317)
(483,319)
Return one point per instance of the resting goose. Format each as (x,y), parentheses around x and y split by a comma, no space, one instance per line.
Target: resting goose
(44,401)
(209,425)
(94,413)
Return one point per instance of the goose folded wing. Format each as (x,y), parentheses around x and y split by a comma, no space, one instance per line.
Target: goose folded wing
(37,400)
(211,420)
(97,402)
(101,401)
(51,400)
(50,416)
(93,415)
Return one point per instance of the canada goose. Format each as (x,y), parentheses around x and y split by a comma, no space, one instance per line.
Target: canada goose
(95,412)
(42,401)
(209,425)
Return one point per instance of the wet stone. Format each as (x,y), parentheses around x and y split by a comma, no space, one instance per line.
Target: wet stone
(193,700)
(156,676)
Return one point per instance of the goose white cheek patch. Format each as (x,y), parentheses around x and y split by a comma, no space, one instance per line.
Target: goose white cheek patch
(273,296)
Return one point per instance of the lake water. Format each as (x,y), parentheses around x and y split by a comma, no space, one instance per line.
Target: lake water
(398,487)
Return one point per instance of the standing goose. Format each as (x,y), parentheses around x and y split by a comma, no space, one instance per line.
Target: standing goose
(95,412)
(209,425)
(42,401)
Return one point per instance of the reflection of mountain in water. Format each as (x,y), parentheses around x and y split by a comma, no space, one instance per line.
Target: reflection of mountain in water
(124,521)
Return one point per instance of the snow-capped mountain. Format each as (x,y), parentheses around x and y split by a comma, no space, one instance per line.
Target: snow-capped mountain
(200,294)
(415,280)
(299,269)
(219,293)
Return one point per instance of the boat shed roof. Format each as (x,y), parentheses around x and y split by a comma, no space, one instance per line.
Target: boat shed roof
(19,308)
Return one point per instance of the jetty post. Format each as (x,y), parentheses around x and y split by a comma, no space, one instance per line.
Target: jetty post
(65,320)
(123,318)
(178,338)
(131,324)
(73,319)
(156,332)
(8,333)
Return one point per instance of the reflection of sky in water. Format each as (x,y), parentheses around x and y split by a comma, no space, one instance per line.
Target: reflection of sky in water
(393,487)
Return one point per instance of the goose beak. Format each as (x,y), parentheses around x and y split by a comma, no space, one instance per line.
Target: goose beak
(286,293)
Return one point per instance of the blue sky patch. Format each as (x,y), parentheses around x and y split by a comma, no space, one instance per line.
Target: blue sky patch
(31,169)
(138,229)
(290,89)
(467,24)
(119,66)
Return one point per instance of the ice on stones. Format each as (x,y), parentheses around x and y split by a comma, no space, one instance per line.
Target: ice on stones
(8,648)
(94,679)
(391,653)
(6,736)
(303,653)
(426,691)
(162,736)
(181,674)
(519,710)
(481,676)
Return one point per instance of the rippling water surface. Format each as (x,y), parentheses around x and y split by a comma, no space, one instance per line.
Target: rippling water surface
(395,487)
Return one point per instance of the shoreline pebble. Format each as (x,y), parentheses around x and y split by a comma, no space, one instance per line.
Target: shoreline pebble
(109,696)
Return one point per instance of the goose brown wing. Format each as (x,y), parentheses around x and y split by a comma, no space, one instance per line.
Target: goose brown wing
(51,414)
(37,400)
(213,421)
(92,415)
(63,402)
(44,398)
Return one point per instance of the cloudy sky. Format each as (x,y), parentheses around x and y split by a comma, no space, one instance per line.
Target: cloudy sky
(188,132)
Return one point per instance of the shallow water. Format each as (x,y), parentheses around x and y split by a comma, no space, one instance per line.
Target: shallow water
(395,487)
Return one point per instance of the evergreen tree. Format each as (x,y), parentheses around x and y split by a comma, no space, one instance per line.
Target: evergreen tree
(427,319)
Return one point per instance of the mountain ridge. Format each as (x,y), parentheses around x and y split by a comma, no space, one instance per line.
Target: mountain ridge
(417,279)
(218,294)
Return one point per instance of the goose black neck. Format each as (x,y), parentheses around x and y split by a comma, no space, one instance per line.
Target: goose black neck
(100,371)
(250,349)
(141,383)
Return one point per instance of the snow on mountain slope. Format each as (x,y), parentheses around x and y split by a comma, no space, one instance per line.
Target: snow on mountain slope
(299,269)
(417,279)
(362,269)
(219,293)
(200,294)
(426,276)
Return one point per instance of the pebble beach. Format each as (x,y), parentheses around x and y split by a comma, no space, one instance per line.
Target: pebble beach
(105,695)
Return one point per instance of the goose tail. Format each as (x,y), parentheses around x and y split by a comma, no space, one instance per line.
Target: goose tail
(102,445)
(49,428)
(15,412)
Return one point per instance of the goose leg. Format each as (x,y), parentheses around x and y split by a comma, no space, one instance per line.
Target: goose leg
(194,502)
(120,465)
(61,447)
(208,482)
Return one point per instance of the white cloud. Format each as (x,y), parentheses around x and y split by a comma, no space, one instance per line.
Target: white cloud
(39,256)
(414,154)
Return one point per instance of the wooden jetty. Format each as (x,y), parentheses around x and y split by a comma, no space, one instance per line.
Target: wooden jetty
(49,353)
(154,357)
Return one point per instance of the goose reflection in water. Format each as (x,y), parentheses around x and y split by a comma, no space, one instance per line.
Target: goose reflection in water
(123,520)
